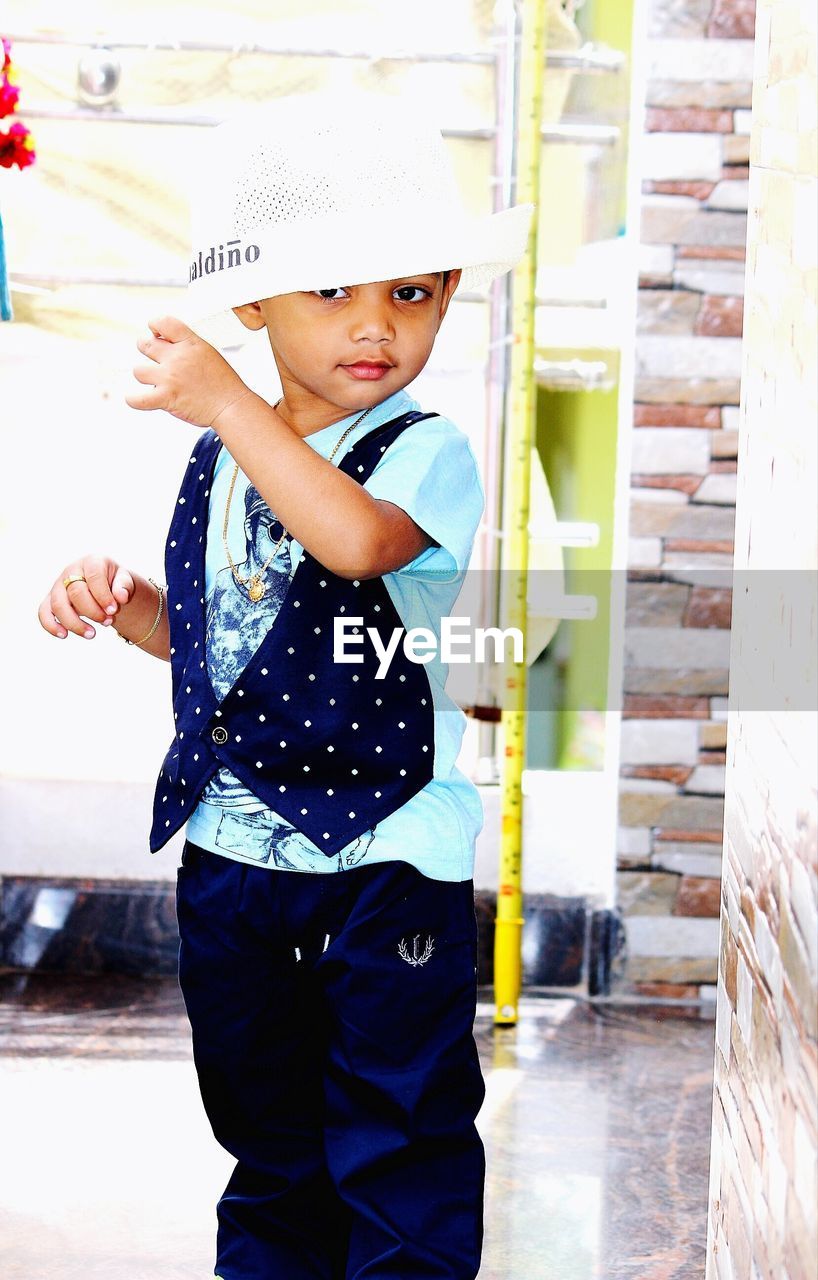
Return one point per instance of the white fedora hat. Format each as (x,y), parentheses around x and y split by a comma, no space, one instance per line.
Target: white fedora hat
(331,188)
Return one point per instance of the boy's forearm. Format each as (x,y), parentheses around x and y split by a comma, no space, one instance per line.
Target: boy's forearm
(329,513)
(135,619)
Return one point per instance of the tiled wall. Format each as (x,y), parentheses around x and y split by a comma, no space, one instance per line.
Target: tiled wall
(764,1160)
(688,366)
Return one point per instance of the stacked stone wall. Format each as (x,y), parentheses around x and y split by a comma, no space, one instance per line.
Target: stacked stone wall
(694,165)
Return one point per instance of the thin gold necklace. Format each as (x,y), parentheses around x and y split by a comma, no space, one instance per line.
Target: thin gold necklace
(254,584)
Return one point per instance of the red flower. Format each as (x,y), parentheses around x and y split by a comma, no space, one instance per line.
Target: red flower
(9,93)
(17,147)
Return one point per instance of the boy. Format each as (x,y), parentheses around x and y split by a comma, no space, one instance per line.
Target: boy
(331,1010)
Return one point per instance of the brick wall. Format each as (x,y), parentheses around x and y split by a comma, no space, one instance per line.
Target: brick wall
(694,158)
(764,1159)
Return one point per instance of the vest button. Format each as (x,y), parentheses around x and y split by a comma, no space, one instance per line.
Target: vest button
(219,734)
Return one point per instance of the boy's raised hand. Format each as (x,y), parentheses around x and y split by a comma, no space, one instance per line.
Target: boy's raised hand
(187,377)
(104,587)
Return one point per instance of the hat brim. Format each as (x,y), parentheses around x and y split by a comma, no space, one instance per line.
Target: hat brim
(482,248)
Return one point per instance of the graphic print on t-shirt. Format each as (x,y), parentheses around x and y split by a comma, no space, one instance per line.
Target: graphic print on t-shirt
(235,626)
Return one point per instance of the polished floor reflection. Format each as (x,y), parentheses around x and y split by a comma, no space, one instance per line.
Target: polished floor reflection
(596,1127)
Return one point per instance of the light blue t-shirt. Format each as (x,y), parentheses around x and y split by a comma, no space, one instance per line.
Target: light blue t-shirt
(431,473)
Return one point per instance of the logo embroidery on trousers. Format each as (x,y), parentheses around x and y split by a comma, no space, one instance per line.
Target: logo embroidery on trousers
(417,957)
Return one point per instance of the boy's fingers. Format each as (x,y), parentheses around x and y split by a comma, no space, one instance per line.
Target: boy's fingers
(98,585)
(83,600)
(48,621)
(66,608)
(62,608)
(143,400)
(145,373)
(124,584)
(170,328)
(151,347)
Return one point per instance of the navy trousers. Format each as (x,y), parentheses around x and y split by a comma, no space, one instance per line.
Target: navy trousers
(332,1023)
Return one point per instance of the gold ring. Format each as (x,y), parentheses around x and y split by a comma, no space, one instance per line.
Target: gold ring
(77,577)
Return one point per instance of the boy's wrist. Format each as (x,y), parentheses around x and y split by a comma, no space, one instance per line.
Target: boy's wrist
(133,620)
(231,413)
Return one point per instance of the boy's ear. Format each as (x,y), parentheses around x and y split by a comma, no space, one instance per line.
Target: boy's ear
(449,286)
(250,315)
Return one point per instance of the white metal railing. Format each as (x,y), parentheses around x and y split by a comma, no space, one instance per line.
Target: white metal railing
(589,57)
(573,374)
(573,133)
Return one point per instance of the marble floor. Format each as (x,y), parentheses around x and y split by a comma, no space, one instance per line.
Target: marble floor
(596,1127)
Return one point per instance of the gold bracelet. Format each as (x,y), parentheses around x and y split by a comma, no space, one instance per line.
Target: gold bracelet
(156,620)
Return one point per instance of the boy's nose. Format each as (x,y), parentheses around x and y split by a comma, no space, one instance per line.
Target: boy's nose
(371,321)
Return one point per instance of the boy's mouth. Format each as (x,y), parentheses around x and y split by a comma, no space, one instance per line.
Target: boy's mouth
(368,370)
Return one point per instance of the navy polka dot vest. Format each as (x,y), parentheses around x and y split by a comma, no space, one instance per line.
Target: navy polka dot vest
(325,744)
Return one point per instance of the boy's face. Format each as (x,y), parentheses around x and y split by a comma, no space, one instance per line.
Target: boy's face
(344,349)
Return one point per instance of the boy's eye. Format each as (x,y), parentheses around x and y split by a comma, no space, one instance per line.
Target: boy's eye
(408,289)
(404,293)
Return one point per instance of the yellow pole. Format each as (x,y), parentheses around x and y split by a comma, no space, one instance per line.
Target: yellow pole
(514,557)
